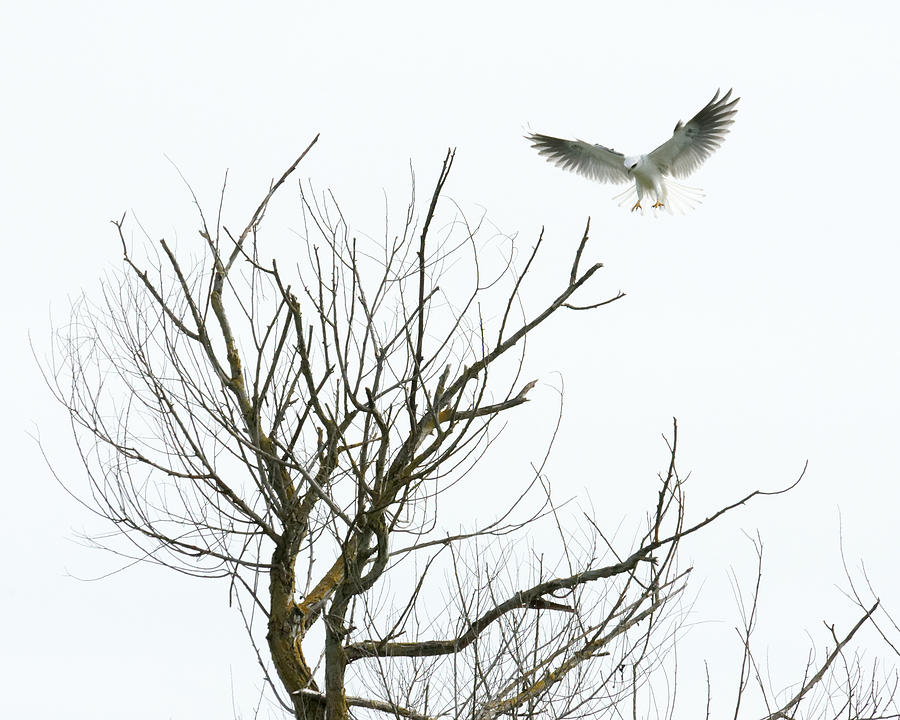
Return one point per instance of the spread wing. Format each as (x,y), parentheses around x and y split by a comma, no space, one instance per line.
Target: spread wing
(692,143)
(593,161)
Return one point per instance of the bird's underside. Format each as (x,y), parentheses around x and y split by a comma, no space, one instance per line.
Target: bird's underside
(651,174)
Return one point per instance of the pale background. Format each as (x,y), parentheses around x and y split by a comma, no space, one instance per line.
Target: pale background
(765,320)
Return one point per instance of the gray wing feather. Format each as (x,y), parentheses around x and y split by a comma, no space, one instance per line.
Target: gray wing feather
(692,143)
(593,161)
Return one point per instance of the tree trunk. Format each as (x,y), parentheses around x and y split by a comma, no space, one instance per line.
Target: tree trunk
(285,632)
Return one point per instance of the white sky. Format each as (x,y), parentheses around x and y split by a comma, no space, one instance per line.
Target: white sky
(765,320)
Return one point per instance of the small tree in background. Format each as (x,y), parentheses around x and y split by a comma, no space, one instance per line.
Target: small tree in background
(295,429)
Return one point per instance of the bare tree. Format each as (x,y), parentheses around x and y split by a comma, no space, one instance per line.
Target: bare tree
(296,430)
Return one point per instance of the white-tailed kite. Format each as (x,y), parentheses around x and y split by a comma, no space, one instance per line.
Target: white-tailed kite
(679,156)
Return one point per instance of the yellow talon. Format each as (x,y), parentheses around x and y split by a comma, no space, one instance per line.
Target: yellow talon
(637,206)
(658,204)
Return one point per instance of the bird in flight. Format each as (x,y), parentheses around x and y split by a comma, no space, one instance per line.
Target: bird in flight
(691,143)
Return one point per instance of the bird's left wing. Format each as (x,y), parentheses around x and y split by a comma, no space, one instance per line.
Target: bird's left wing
(692,143)
(593,161)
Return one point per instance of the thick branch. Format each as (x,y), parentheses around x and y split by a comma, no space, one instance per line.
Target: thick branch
(522,599)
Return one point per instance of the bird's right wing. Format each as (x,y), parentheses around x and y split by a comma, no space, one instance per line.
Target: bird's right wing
(593,161)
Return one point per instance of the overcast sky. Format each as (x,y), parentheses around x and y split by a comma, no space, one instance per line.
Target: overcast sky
(765,320)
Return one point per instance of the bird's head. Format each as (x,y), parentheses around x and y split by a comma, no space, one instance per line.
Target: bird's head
(632,162)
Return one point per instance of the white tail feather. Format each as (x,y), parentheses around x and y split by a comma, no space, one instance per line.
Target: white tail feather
(677,199)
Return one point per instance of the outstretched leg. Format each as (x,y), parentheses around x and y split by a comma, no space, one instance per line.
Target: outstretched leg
(640,194)
(660,191)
